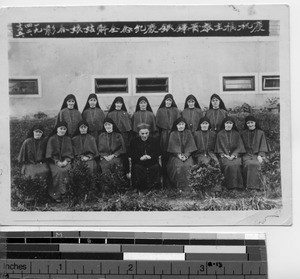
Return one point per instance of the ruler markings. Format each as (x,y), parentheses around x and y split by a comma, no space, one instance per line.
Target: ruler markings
(255,263)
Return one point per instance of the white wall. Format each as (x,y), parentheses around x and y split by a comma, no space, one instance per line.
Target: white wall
(194,65)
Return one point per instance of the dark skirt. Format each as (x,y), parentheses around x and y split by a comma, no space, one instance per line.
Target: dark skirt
(232,172)
(251,172)
(60,177)
(36,170)
(106,166)
(145,178)
(179,172)
(202,159)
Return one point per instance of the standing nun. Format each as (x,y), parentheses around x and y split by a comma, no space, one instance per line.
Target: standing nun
(32,153)
(166,115)
(60,154)
(84,146)
(181,146)
(256,148)
(230,147)
(216,113)
(70,114)
(143,114)
(118,113)
(192,112)
(111,146)
(93,115)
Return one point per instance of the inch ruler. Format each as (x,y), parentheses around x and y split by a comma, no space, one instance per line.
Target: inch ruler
(132,255)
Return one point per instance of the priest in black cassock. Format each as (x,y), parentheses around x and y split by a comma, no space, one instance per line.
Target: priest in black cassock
(145,152)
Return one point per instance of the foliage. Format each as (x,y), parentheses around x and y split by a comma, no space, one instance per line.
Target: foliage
(79,187)
(28,192)
(270,175)
(40,115)
(111,182)
(204,178)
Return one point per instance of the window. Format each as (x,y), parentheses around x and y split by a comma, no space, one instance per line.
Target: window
(238,83)
(270,82)
(152,85)
(111,85)
(24,87)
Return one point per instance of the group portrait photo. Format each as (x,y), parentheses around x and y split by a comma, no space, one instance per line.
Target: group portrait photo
(147,109)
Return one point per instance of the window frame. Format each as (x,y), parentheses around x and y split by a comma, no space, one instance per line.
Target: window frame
(268,91)
(39,86)
(114,94)
(135,77)
(239,91)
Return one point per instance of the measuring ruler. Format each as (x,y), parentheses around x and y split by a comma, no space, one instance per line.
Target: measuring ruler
(132,255)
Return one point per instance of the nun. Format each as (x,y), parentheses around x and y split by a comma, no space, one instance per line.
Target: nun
(229,148)
(181,148)
(32,154)
(216,112)
(93,115)
(143,114)
(118,113)
(256,146)
(111,146)
(205,140)
(69,113)
(60,155)
(84,146)
(166,114)
(192,112)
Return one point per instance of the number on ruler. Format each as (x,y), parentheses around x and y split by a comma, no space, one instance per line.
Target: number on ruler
(202,268)
(130,267)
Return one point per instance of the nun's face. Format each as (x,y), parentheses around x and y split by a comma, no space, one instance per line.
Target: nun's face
(228,125)
(215,103)
(83,129)
(191,103)
(180,126)
(251,125)
(70,103)
(168,102)
(204,126)
(108,127)
(61,131)
(118,105)
(37,134)
(92,102)
(143,105)
(144,134)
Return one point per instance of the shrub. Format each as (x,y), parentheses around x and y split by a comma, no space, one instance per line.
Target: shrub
(80,186)
(270,176)
(111,182)
(205,178)
(29,192)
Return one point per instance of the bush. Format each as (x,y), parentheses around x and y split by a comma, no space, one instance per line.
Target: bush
(271,177)
(29,192)
(205,178)
(111,182)
(80,186)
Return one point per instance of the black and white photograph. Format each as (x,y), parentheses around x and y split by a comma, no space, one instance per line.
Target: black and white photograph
(126,115)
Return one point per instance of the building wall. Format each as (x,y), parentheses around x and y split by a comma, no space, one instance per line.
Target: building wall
(194,66)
